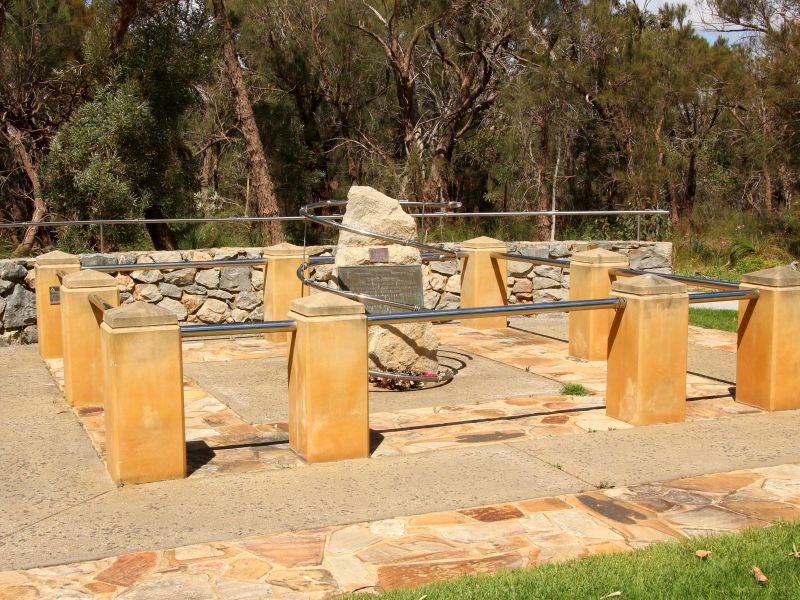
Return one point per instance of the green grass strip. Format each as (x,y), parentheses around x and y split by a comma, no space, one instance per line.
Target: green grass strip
(661,571)
(726,320)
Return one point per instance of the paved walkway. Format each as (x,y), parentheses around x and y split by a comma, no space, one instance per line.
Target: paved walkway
(224,531)
(411,550)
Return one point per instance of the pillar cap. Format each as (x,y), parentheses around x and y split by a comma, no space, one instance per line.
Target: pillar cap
(57,257)
(648,285)
(778,277)
(482,242)
(139,314)
(326,305)
(88,279)
(599,256)
(283,249)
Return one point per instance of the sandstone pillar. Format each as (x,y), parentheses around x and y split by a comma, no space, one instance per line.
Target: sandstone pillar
(48,304)
(281,284)
(143,375)
(328,402)
(647,352)
(768,349)
(80,326)
(589,279)
(483,280)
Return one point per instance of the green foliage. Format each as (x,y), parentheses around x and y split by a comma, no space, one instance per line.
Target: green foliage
(661,571)
(574,389)
(726,320)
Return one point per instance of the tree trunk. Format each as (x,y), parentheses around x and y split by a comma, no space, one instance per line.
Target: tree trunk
(259,171)
(769,203)
(689,189)
(22,155)
(543,201)
(159,233)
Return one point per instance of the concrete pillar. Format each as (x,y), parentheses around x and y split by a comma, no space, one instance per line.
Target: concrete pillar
(483,280)
(589,279)
(48,303)
(281,284)
(80,329)
(328,402)
(143,375)
(768,349)
(647,352)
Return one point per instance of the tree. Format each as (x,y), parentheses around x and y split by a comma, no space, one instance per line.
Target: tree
(259,170)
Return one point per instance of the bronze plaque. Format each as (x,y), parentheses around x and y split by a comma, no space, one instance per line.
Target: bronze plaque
(55,294)
(401,283)
(379,254)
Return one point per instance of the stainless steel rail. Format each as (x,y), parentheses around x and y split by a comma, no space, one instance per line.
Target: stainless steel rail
(196,220)
(703,297)
(189,264)
(225,329)
(537,260)
(510,310)
(99,303)
(714,284)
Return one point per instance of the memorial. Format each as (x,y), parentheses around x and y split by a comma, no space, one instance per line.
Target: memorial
(387,270)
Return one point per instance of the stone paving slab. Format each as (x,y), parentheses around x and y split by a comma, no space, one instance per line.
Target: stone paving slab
(404,551)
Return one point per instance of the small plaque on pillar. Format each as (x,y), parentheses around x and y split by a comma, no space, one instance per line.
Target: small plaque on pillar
(379,255)
(400,283)
(55,295)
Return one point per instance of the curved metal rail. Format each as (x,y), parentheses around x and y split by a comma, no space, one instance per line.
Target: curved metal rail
(431,250)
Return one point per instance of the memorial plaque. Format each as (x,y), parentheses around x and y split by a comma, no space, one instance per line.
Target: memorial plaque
(379,254)
(55,295)
(401,283)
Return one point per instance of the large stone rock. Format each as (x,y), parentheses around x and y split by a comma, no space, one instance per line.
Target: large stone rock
(247,301)
(148,292)
(405,347)
(408,347)
(2,306)
(175,307)
(98,260)
(212,311)
(5,286)
(13,271)
(170,291)
(208,278)
(235,279)
(20,308)
(180,277)
(371,210)
(148,276)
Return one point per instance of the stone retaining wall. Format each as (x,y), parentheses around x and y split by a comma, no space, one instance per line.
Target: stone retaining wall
(234,294)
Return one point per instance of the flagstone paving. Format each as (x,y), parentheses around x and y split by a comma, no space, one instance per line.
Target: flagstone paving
(411,550)
(220,441)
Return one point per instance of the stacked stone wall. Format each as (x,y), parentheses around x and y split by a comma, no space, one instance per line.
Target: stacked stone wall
(234,294)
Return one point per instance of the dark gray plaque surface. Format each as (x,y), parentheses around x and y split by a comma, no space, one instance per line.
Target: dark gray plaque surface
(55,295)
(401,283)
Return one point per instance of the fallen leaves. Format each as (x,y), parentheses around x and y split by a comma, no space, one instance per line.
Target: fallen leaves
(703,554)
(758,574)
(794,552)
(612,595)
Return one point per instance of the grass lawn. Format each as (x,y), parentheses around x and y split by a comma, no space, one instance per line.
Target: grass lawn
(726,320)
(666,570)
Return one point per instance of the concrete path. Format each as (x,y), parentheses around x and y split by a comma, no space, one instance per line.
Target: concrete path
(257,389)
(75,519)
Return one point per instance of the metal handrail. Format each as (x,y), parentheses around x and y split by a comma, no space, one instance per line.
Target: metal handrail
(100,304)
(537,260)
(223,329)
(194,220)
(714,284)
(507,310)
(703,297)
